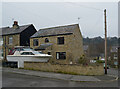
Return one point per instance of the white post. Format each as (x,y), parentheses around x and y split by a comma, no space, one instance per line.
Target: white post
(20,64)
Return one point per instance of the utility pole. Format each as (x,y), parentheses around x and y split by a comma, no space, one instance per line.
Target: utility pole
(105,42)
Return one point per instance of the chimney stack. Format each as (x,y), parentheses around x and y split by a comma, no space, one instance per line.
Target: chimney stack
(15,25)
(15,22)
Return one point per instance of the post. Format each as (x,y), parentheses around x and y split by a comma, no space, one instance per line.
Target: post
(105,43)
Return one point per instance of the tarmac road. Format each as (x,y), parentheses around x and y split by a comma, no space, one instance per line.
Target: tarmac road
(21,80)
(113,71)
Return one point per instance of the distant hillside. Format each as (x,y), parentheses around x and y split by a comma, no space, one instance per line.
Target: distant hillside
(96,45)
(112,41)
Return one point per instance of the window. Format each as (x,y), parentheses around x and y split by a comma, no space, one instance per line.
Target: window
(46,40)
(10,40)
(40,52)
(60,55)
(28,49)
(27,53)
(49,53)
(60,40)
(35,42)
(11,52)
(1,42)
(115,55)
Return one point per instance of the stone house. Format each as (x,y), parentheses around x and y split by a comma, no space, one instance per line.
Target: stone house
(114,52)
(16,36)
(114,55)
(64,43)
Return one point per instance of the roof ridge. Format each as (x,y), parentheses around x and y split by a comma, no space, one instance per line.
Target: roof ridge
(11,30)
(4,27)
(58,26)
(19,26)
(23,25)
(54,31)
(27,25)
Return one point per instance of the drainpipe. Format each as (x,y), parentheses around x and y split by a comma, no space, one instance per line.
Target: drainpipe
(5,50)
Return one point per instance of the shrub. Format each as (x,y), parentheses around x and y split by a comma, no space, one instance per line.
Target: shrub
(82,60)
(100,61)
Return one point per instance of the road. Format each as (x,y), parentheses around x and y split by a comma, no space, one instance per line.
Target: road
(113,71)
(19,80)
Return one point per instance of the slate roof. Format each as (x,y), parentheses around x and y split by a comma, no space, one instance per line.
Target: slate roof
(11,30)
(53,31)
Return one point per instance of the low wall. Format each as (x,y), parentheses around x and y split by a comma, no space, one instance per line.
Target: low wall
(67,69)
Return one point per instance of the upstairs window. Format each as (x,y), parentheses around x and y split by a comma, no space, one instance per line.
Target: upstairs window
(60,55)
(60,40)
(46,40)
(35,42)
(10,40)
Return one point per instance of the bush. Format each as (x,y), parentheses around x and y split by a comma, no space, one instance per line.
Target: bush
(100,61)
(82,60)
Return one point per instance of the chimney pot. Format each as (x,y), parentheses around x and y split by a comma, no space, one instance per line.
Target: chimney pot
(15,22)
(15,25)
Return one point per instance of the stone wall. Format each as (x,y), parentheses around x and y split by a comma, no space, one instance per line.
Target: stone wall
(68,69)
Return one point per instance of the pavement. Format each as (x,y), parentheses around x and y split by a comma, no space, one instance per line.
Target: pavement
(77,78)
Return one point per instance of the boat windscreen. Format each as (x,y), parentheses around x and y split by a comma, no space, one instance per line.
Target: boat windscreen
(28,49)
(36,52)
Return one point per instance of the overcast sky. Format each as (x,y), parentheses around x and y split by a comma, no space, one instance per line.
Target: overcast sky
(51,14)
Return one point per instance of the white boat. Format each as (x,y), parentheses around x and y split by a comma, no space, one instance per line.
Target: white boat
(22,54)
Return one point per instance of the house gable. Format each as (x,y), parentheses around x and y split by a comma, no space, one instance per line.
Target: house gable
(26,34)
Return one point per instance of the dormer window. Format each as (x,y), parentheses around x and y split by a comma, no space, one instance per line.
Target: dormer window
(46,40)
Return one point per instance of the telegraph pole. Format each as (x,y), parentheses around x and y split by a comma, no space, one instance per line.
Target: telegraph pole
(105,42)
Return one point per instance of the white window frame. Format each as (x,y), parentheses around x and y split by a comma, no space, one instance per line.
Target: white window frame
(58,56)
